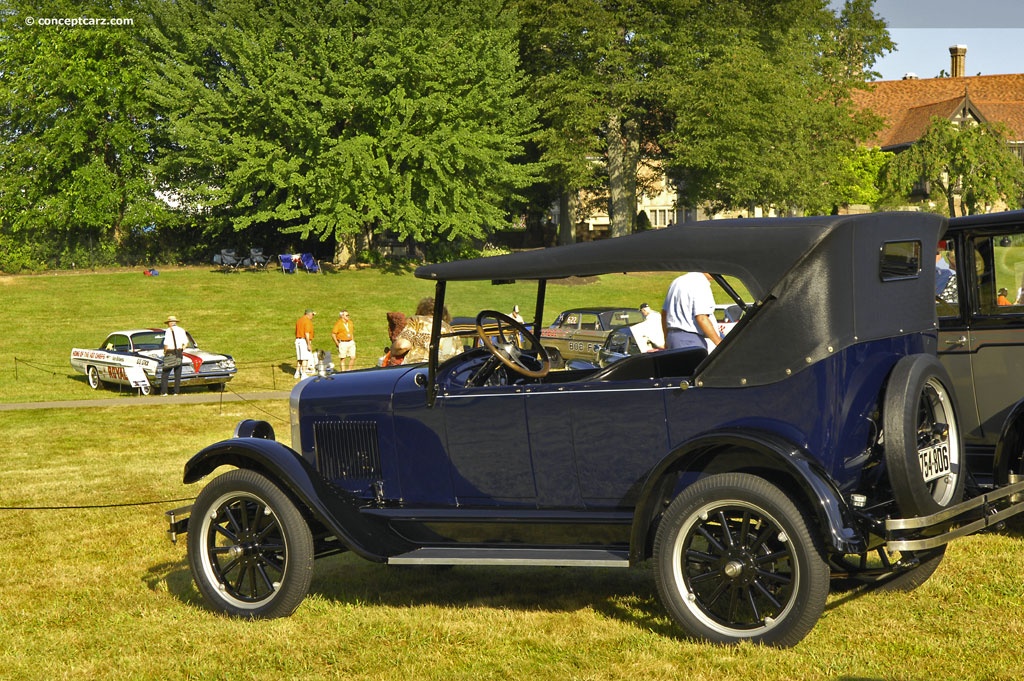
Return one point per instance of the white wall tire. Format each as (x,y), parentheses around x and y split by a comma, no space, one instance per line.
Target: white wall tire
(736,560)
(919,419)
(249,548)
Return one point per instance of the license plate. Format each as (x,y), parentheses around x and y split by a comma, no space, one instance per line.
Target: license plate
(934,461)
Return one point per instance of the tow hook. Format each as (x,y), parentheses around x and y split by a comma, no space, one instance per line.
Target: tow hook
(177,521)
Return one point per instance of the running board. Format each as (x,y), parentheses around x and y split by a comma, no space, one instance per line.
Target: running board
(514,556)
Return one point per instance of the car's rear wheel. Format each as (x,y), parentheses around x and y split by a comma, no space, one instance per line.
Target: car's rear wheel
(735,560)
(92,374)
(250,550)
(922,438)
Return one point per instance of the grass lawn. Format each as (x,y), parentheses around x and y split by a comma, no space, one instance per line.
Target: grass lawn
(93,590)
(99,593)
(249,315)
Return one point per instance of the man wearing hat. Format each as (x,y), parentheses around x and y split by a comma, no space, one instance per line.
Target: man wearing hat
(649,333)
(344,337)
(304,344)
(175,341)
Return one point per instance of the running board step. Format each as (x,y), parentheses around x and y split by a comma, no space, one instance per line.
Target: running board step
(517,556)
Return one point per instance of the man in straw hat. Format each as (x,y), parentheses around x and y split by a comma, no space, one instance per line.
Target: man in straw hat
(175,341)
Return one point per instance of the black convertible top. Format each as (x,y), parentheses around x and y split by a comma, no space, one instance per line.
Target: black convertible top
(817,281)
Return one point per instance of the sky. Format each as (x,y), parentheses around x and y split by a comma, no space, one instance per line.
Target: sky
(924,30)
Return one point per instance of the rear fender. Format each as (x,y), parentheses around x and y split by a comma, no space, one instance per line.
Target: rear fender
(1010,448)
(337,510)
(761,451)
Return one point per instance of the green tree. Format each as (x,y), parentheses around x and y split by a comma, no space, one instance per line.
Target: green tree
(744,102)
(75,128)
(344,120)
(593,67)
(971,162)
(762,109)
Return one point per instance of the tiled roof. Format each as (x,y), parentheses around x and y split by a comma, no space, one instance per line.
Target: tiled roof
(908,105)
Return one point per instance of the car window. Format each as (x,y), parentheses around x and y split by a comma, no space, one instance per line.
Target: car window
(150,340)
(568,320)
(946,292)
(588,321)
(1000,273)
(614,319)
(117,343)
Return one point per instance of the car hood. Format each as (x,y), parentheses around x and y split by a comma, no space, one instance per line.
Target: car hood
(192,353)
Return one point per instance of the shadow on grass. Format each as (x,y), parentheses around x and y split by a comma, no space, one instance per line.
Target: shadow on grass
(627,595)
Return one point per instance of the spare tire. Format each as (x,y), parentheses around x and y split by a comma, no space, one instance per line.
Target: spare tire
(923,452)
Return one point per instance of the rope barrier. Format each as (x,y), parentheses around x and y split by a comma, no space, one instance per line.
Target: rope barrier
(94,506)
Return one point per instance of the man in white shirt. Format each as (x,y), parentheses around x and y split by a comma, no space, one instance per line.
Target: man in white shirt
(649,334)
(688,316)
(175,341)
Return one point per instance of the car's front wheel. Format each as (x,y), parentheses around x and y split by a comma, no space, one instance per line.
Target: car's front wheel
(735,560)
(92,374)
(250,550)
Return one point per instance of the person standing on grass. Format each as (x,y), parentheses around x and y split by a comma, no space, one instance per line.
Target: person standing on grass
(175,340)
(304,344)
(689,312)
(344,337)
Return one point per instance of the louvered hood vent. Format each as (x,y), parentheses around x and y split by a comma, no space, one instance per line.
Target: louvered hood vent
(347,450)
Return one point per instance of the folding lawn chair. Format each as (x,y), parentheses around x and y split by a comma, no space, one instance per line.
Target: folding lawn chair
(257,259)
(310,263)
(287,263)
(227,259)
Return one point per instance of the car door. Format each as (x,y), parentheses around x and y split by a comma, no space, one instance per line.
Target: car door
(119,348)
(981,340)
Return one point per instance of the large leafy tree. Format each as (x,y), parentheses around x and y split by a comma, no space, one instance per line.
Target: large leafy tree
(75,130)
(593,66)
(344,120)
(744,102)
(971,162)
(761,104)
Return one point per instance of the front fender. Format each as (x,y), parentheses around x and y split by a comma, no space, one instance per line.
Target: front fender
(339,511)
(771,452)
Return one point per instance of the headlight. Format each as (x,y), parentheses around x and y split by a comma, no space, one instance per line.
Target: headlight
(226,364)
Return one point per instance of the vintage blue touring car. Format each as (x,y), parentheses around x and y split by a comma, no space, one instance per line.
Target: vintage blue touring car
(818,442)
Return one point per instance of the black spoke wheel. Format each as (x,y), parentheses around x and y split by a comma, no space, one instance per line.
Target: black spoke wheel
(250,550)
(736,561)
(921,437)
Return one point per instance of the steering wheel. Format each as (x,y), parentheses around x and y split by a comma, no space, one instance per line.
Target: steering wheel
(507,347)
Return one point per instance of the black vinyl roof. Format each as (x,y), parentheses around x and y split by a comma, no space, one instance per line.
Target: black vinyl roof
(817,281)
(758,251)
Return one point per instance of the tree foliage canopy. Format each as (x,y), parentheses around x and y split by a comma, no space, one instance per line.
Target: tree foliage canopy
(337,120)
(763,115)
(75,126)
(969,161)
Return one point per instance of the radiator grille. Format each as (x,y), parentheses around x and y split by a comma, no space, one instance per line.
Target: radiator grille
(347,450)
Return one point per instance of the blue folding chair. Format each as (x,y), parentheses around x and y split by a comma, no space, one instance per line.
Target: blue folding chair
(310,263)
(287,263)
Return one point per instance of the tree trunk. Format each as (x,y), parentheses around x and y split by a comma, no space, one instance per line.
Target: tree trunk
(623,156)
(343,251)
(568,207)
